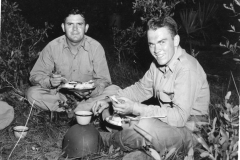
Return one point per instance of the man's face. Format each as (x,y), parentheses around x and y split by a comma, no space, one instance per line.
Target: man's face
(162,45)
(75,28)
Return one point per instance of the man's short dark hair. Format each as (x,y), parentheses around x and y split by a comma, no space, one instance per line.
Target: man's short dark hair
(159,22)
(75,11)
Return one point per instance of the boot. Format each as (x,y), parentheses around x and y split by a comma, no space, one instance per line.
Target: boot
(106,136)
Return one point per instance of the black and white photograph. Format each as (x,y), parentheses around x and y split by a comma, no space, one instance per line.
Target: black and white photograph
(119,79)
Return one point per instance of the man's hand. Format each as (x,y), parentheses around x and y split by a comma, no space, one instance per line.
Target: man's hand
(55,80)
(126,107)
(99,106)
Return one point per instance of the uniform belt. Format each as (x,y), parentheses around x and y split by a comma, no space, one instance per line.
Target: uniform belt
(198,118)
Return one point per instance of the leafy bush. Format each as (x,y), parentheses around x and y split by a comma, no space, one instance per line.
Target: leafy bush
(234,46)
(221,135)
(194,22)
(124,42)
(154,8)
(18,46)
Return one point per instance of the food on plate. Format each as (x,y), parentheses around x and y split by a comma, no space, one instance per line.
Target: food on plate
(69,85)
(84,85)
(116,118)
(117,121)
(72,82)
(79,85)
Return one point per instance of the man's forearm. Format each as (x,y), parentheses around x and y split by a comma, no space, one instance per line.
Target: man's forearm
(173,116)
(43,81)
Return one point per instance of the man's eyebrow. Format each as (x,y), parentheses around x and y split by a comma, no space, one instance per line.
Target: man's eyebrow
(162,40)
(158,41)
(75,23)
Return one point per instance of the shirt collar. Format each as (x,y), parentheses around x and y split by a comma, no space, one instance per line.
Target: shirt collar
(83,43)
(171,65)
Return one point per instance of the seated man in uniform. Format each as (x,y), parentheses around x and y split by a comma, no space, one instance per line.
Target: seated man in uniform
(70,57)
(179,83)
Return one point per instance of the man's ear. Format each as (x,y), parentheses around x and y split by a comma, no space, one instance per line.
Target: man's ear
(86,28)
(176,40)
(63,28)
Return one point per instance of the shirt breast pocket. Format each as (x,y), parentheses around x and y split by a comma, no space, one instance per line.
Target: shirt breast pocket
(86,67)
(61,68)
(86,73)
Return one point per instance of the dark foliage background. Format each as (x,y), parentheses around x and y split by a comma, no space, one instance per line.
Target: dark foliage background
(38,12)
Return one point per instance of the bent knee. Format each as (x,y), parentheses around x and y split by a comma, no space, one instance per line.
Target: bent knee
(112,89)
(32,93)
(150,124)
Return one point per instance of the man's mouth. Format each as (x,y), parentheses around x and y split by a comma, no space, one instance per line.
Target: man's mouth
(159,55)
(75,34)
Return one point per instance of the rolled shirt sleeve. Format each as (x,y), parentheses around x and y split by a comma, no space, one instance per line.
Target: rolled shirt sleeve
(101,72)
(40,74)
(141,90)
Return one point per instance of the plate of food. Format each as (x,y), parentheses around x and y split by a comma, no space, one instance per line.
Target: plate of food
(115,120)
(79,86)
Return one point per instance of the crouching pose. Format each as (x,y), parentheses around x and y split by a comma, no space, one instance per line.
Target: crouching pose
(179,83)
(70,57)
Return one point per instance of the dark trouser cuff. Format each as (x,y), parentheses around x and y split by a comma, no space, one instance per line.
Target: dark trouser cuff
(118,142)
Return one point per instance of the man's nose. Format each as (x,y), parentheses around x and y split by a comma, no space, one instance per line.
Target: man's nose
(157,48)
(75,27)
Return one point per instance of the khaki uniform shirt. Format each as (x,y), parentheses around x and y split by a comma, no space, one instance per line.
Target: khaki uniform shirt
(181,88)
(88,64)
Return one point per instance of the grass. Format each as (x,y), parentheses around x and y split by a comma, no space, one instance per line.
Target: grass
(44,139)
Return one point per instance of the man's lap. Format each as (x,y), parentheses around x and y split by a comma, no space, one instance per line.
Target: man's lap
(165,136)
(45,99)
(48,99)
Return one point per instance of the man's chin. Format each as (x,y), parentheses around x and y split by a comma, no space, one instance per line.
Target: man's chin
(75,40)
(161,62)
